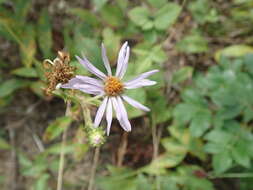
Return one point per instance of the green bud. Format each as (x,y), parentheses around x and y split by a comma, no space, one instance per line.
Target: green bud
(96,137)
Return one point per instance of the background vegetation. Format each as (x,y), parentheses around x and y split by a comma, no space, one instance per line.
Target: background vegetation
(198,135)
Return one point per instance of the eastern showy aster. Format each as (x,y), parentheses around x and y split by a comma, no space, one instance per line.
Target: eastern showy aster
(111,87)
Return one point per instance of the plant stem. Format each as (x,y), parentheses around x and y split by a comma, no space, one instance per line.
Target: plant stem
(94,167)
(233,175)
(62,154)
(122,149)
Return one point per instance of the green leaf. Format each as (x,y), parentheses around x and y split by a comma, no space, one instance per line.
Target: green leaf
(157,3)
(99,3)
(45,33)
(56,128)
(248,61)
(27,45)
(233,51)
(240,154)
(193,43)
(162,162)
(203,12)
(140,17)
(182,74)
(9,86)
(41,182)
(85,15)
(184,112)
(112,15)
(166,16)
(25,72)
(200,123)
(222,162)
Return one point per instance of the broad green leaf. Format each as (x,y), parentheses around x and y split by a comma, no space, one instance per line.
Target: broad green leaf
(200,123)
(213,148)
(99,3)
(222,162)
(27,45)
(203,12)
(140,16)
(185,112)
(248,61)
(143,182)
(193,43)
(240,154)
(166,160)
(233,51)
(157,3)
(174,147)
(166,16)
(22,9)
(56,128)
(9,86)
(85,15)
(25,72)
(45,33)
(218,136)
(112,15)
(41,182)
(182,74)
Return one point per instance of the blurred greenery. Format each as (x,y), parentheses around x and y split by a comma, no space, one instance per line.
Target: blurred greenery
(202,103)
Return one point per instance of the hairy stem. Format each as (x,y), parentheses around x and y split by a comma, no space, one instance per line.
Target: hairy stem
(94,167)
(62,154)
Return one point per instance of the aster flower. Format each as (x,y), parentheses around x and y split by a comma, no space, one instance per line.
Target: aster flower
(111,87)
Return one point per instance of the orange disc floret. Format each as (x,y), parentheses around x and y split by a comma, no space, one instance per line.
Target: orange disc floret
(113,86)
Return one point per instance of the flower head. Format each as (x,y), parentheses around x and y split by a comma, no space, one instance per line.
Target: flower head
(111,87)
(59,71)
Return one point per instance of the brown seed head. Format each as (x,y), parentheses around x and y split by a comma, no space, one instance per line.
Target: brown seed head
(113,86)
(59,71)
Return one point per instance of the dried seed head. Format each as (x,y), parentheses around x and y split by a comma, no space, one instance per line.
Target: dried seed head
(59,71)
(113,86)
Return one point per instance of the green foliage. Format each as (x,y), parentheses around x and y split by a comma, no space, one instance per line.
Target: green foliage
(193,43)
(217,100)
(203,12)
(162,19)
(207,113)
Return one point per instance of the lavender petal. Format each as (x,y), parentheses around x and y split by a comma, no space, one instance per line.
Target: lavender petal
(135,104)
(100,112)
(91,68)
(141,77)
(125,122)
(89,80)
(109,116)
(118,112)
(105,60)
(140,83)
(121,58)
(125,64)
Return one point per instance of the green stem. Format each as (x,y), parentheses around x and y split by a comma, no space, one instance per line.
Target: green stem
(233,175)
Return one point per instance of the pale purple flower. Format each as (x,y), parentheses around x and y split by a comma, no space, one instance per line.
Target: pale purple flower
(111,87)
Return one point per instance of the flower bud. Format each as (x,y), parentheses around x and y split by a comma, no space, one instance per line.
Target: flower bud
(96,137)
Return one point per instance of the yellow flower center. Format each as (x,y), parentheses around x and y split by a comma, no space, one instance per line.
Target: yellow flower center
(113,86)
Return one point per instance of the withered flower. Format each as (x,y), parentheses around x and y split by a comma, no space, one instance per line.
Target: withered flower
(59,71)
